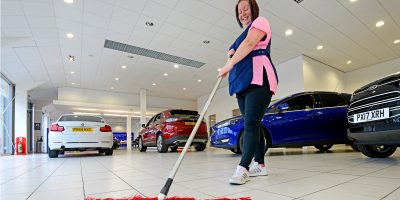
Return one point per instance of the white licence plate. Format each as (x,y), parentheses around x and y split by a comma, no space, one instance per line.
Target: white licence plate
(372,115)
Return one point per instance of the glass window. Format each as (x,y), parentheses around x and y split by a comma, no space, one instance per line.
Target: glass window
(236,112)
(85,118)
(183,113)
(6,116)
(331,100)
(300,102)
(150,121)
(157,119)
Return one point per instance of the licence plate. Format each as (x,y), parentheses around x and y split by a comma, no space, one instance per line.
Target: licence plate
(82,129)
(372,115)
(190,123)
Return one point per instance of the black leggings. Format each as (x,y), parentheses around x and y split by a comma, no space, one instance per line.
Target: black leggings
(253,102)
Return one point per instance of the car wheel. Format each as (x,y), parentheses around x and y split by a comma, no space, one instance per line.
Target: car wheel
(200,147)
(109,152)
(355,147)
(161,146)
(53,153)
(377,151)
(324,147)
(174,149)
(102,151)
(142,148)
(239,149)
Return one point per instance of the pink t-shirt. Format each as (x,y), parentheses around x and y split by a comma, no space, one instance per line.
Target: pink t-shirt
(262,61)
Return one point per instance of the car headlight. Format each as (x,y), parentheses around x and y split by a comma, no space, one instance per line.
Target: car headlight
(227,123)
(351,98)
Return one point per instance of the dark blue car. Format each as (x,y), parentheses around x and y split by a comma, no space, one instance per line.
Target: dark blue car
(304,119)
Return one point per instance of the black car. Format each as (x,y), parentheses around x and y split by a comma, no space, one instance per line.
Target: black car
(374,117)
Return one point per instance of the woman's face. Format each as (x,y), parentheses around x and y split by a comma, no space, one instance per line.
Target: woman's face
(244,13)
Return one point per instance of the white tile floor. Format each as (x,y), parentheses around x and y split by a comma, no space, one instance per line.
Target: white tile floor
(301,174)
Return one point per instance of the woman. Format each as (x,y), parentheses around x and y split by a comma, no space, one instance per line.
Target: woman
(252,77)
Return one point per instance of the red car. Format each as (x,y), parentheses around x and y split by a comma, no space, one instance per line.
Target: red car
(171,129)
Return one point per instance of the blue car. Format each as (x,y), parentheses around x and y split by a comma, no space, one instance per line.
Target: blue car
(304,119)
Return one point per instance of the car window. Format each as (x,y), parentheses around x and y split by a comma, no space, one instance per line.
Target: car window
(183,113)
(157,119)
(150,121)
(81,118)
(330,100)
(300,102)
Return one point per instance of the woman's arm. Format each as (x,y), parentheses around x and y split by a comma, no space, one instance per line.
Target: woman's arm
(252,39)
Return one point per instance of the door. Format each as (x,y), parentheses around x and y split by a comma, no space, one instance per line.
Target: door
(292,125)
(146,132)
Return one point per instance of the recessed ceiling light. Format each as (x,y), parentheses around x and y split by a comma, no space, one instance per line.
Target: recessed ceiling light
(396,41)
(320,47)
(199,80)
(71,58)
(149,23)
(116,78)
(349,62)
(206,41)
(176,66)
(70,35)
(154,84)
(72,72)
(289,32)
(111,87)
(165,74)
(184,88)
(352,1)
(72,83)
(69,1)
(123,67)
(380,24)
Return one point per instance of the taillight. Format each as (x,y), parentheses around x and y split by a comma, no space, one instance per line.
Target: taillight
(106,128)
(57,128)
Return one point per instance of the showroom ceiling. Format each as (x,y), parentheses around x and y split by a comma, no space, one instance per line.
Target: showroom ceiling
(41,37)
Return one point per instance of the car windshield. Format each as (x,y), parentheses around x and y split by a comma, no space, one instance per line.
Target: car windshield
(84,118)
(184,114)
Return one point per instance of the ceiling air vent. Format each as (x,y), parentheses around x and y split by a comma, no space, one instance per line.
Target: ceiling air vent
(298,1)
(151,54)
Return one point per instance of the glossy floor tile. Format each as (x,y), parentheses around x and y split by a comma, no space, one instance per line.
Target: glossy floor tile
(294,173)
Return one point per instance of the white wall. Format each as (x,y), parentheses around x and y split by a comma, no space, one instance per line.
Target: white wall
(321,77)
(114,98)
(290,81)
(358,78)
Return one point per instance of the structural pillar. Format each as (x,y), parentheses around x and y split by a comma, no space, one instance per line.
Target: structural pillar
(128,132)
(143,106)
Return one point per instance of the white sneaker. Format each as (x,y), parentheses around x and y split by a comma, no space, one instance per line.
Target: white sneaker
(257,170)
(240,177)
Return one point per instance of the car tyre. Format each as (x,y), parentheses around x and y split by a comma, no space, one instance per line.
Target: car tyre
(355,147)
(161,146)
(53,153)
(109,152)
(240,147)
(200,147)
(174,149)
(377,151)
(324,147)
(142,148)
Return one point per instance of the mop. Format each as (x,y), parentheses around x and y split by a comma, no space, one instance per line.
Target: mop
(164,191)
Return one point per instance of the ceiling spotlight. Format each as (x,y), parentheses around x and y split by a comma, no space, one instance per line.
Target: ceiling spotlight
(352,1)
(72,83)
(289,32)
(117,79)
(165,74)
(71,58)
(72,72)
(184,88)
(69,1)
(349,62)
(396,41)
(320,47)
(199,80)
(111,87)
(154,84)
(149,23)
(123,67)
(70,35)
(380,24)
(206,41)
(176,66)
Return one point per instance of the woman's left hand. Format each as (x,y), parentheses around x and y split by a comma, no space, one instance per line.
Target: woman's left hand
(225,70)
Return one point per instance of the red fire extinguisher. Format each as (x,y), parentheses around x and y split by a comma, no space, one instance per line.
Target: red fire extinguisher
(21,145)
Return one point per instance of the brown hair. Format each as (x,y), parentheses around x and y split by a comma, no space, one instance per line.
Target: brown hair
(254,11)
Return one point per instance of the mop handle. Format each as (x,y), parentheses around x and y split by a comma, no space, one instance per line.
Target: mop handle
(165,189)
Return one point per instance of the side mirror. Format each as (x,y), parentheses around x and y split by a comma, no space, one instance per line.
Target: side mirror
(143,125)
(283,107)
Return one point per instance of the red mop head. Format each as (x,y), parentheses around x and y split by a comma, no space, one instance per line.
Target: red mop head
(168,198)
